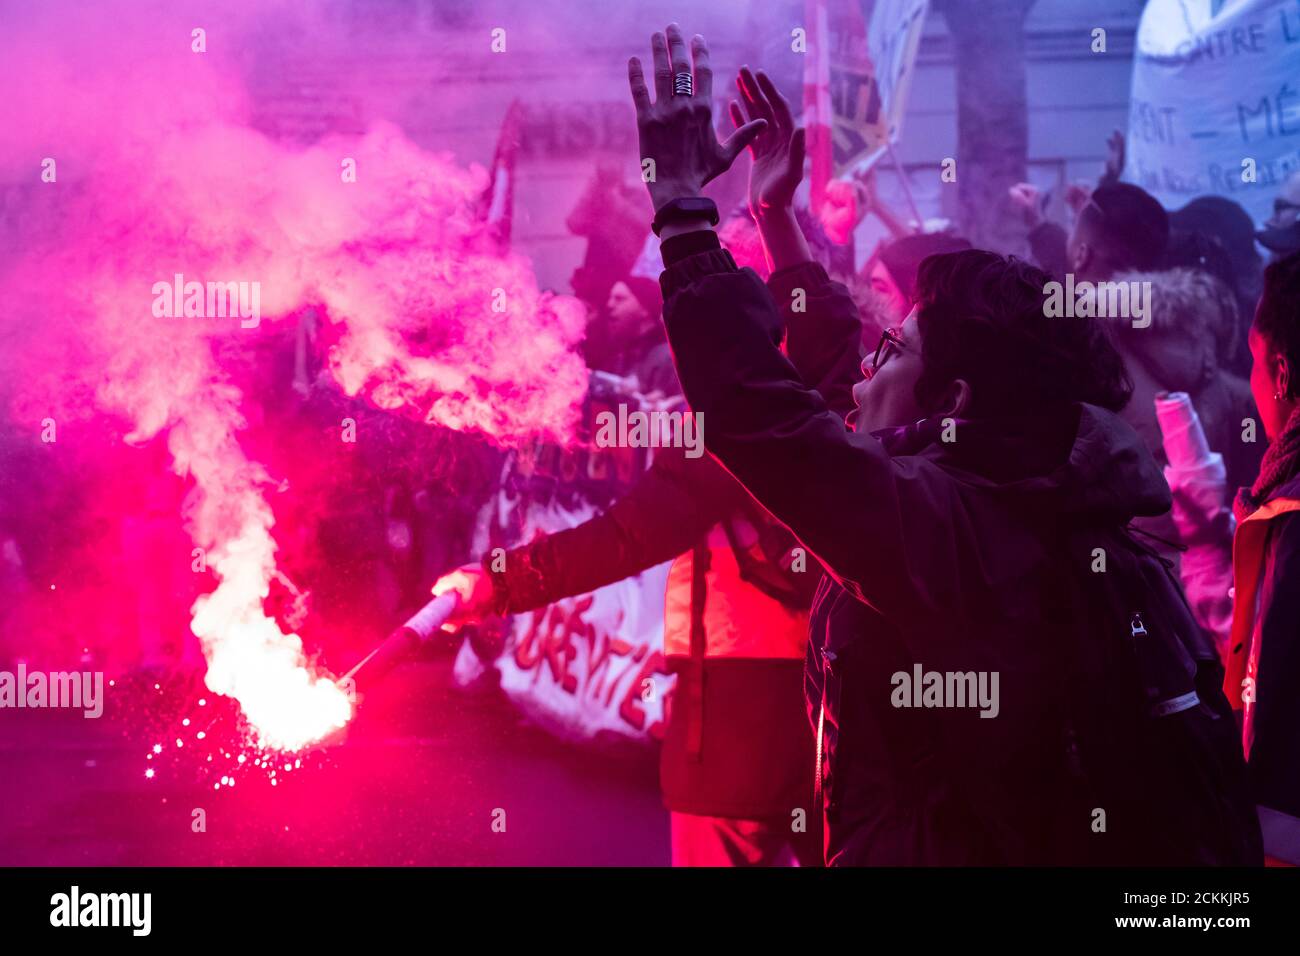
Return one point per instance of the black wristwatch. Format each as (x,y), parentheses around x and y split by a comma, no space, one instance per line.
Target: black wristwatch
(685,209)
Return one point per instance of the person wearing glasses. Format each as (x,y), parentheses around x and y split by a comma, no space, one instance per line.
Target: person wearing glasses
(737,764)
(953,516)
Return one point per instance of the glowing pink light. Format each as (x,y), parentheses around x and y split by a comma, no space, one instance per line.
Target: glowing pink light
(251,659)
(385,264)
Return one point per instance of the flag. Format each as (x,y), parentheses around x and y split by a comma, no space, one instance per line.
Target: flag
(856,75)
(497,203)
(818,118)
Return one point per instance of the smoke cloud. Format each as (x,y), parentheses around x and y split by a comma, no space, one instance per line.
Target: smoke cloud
(144,166)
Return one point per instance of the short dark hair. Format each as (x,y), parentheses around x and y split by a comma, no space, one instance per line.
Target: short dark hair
(1226,221)
(982,319)
(1133,226)
(1278,317)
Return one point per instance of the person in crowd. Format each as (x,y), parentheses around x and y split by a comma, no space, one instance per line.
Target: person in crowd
(1280,233)
(884,288)
(737,762)
(1048,241)
(628,339)
(1120,228)
(1224,225)
(985,463)
(1263,673)
(608,217)
(1121,234)
(892,270)
(1205,254)
(1176,349)
(1187,343)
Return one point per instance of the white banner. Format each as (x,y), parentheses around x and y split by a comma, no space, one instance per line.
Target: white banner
(589,668)
(1216,101)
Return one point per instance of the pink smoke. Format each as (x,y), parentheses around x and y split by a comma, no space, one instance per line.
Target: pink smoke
(159,174)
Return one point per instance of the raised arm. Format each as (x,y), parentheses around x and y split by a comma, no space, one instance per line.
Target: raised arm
(823,329)
(823,333)
(841,493)
(668,510)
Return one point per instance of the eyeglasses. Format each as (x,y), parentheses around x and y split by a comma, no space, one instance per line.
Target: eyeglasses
(891,340)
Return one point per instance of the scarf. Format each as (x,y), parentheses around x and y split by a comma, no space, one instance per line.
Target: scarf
(1279,466)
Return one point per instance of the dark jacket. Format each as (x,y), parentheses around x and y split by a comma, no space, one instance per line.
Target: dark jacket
(943,556)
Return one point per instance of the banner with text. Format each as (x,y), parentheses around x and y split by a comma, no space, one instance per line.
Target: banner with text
(1216,100)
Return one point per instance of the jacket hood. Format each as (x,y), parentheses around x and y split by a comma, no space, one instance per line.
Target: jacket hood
(1082,461)
(1191,315)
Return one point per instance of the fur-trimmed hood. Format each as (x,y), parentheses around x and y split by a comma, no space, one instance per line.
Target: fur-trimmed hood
(1193,320)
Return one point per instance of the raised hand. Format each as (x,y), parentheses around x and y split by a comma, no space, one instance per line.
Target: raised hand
(778,149)
(1115,158)
(868,190)
(1028,199)
(676,132)
(1077,195)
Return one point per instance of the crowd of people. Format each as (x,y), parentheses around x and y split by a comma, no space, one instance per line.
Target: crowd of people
(920,483)
(991,491)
